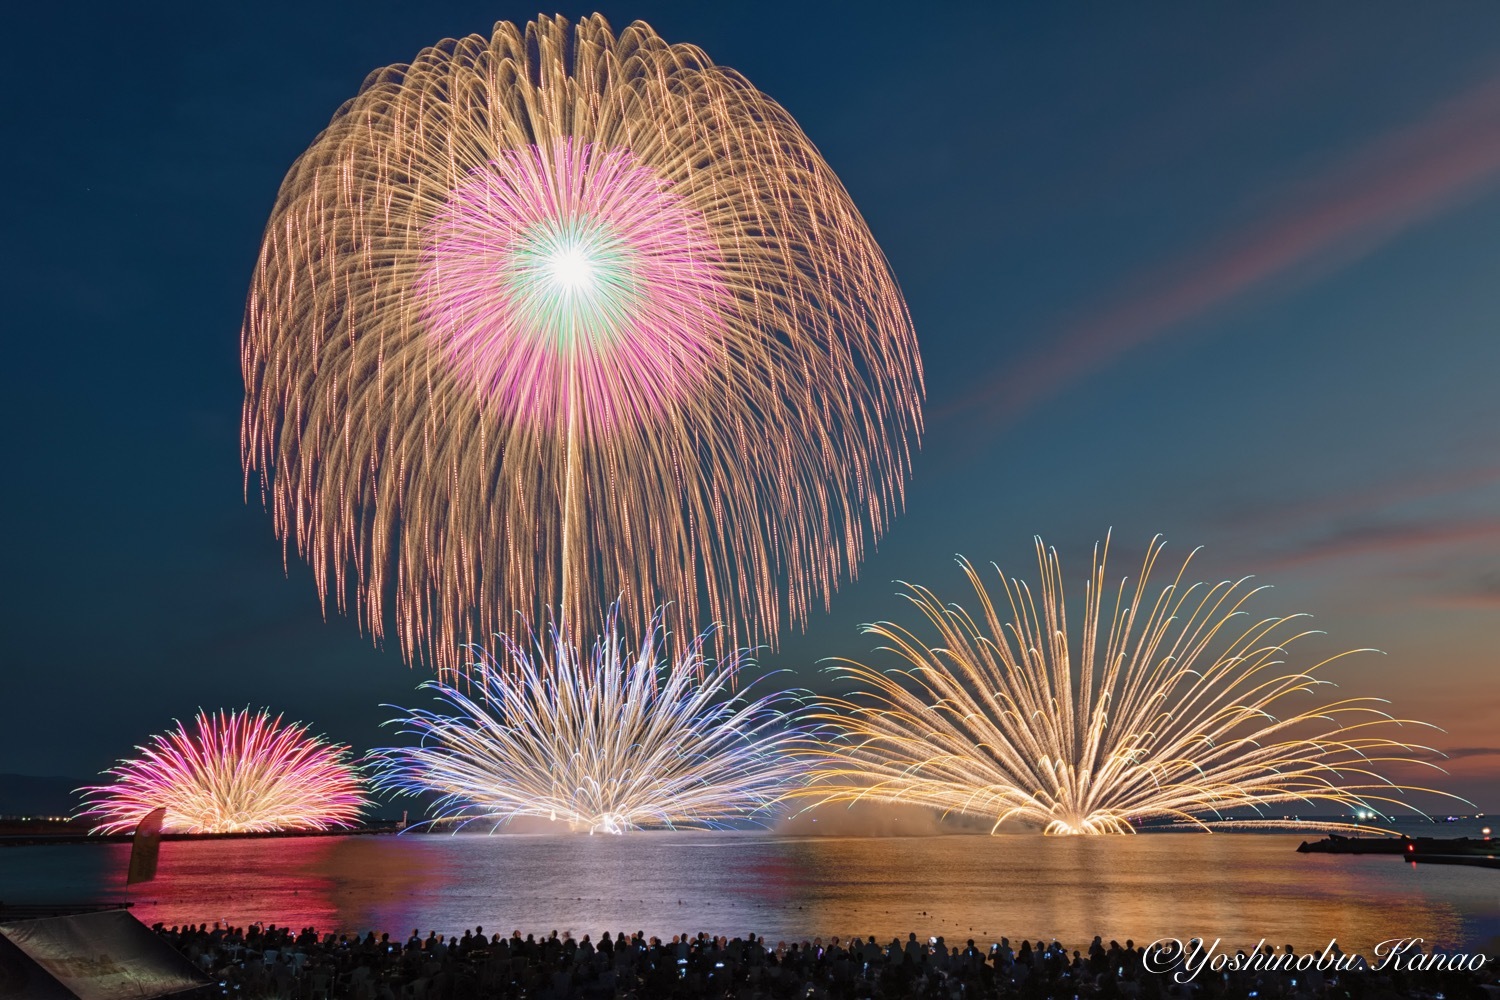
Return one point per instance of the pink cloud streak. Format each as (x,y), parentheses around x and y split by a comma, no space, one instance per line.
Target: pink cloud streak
(1388,540)
(1350,210)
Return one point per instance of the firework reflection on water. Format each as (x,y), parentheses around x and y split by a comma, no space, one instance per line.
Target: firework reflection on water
(1230,885)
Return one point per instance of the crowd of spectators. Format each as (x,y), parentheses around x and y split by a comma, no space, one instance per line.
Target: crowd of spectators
(275,962)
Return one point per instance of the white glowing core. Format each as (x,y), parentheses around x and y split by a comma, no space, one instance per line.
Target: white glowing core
(570,269)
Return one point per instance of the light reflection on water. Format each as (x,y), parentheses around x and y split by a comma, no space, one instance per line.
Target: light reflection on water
(1239,887)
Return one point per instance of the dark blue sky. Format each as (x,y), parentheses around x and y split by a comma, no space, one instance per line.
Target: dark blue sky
(1224,274)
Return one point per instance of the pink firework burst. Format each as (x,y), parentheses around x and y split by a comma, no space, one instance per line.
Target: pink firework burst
(570,283)
(232,773)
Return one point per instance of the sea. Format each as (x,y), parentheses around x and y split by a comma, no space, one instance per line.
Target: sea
(1237,888)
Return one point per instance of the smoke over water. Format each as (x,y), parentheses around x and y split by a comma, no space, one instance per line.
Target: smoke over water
(882,819)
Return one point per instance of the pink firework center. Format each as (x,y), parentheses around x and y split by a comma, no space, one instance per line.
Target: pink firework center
(573,288)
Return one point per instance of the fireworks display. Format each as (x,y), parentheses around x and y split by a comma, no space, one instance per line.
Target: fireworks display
(231,773)
(1185,713)
(622,739)
(558,315)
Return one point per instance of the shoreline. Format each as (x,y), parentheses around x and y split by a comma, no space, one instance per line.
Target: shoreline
(54,839)
(1373,844)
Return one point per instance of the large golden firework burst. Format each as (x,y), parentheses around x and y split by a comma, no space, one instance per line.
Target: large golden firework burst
(557,315)
(1184,713)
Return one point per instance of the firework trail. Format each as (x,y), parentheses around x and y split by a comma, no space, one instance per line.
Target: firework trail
(1183,714)
(232,773)
(624,738)
(555,315)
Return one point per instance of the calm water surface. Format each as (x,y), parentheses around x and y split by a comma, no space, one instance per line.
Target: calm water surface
(1239,887)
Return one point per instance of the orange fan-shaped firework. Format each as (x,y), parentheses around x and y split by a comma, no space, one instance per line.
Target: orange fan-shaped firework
(1172,706)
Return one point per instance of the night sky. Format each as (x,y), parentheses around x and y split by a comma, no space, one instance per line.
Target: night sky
(1227,275)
